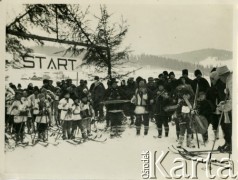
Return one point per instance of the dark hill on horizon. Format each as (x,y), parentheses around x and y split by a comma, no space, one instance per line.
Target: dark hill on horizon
(200,55)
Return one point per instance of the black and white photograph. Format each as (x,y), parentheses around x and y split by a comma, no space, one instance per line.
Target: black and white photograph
(119,90)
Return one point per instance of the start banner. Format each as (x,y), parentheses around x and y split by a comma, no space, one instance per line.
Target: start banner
(42,62)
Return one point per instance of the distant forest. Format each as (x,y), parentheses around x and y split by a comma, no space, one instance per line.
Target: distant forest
(162,62)
(200,55)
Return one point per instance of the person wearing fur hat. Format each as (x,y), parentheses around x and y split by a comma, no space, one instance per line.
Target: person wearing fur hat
(225,106)
(66,115)
(202,83)
(141,100)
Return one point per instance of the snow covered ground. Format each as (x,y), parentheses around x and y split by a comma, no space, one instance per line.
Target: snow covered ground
(118,158)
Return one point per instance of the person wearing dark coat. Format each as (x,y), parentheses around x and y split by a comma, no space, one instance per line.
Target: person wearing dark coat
(30,89)
(152,88)
(185,75)
(215,94)
(115,111)
(130,91)
(161,101)
(79,90)
(204,108)
(202,83)
(141,99)
(97,90)
(172,83)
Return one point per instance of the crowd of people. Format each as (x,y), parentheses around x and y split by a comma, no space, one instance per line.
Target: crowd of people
(144,101)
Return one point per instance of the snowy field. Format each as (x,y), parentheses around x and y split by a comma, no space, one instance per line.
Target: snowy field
(117,158)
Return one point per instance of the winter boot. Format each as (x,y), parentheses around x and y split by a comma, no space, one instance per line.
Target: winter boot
(17,138)
(166,131)
(216,134)
(21,137)
(177,134)
(227,148)
(138,132)
(205,137)
(159,133)
(180,141)
(189,141)
(221,148)
(89,133)
(146,130)
(44,136)
(132,120)
(84,136)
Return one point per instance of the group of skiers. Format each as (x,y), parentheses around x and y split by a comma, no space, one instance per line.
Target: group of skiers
(161,99)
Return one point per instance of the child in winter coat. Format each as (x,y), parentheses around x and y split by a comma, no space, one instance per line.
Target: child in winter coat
(77,119)
(87,113)
(204,108)
(19,109)
(41,112)
(184,117)
(66,114)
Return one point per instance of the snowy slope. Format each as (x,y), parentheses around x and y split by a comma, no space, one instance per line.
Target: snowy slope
(117,158)
(213,61)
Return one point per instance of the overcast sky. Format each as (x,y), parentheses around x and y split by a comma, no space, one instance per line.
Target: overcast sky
(158,29)
(162,29)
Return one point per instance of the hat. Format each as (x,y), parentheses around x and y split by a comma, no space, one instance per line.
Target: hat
(184,72)
(197,72)
(214,75)
(171,73)
(81,81)
(113,80)
(150,79)
(222,70)
(165,73)
(45,81)
(96,78)
(161,75)
(138,79)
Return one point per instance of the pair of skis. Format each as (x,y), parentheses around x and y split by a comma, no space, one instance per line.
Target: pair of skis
(196,154)
(78,141)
